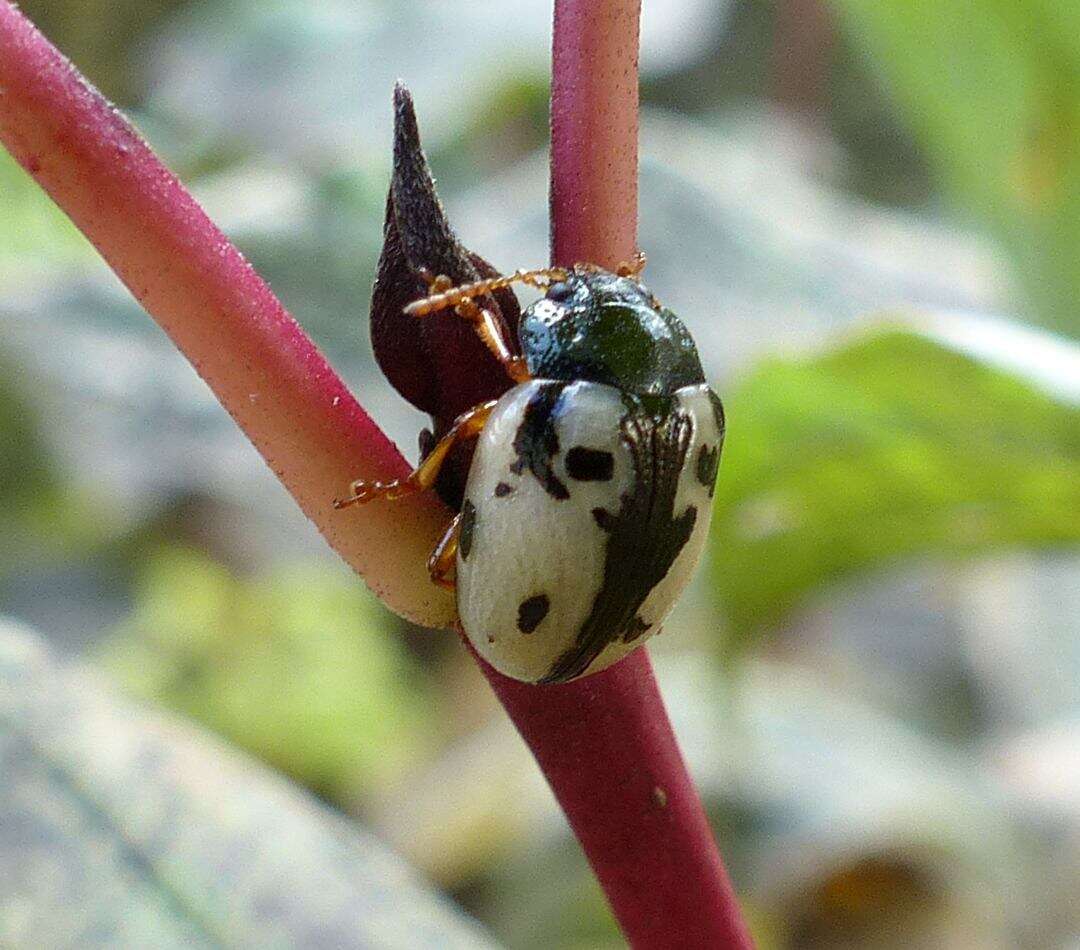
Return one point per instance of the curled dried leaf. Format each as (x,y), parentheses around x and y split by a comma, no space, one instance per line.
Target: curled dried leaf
(437,362)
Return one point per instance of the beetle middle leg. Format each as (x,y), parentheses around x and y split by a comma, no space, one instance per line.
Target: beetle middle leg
(444,555)
(466,426)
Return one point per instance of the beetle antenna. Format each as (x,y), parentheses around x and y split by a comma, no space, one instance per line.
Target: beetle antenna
(449,296)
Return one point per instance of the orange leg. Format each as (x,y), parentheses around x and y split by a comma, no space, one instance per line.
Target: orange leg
(632,268)
(467,426)
(443,557)
(444,294)
(483,322)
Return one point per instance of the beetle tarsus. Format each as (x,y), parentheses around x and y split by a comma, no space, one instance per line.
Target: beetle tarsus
(361,492)
(466,426)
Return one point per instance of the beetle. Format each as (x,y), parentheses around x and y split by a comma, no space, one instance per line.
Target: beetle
(588,498)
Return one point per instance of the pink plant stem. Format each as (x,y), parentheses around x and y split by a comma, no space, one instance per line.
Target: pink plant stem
(605,742)
(222,316)
(594,131)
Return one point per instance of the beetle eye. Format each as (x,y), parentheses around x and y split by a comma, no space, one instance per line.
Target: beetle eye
(560,291)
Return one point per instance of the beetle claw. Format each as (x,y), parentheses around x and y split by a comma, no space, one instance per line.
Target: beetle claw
(360,493)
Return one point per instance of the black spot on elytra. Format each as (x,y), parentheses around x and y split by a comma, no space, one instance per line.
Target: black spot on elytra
(590,465)
(635,629)
(468,526)
(532,612)
(502,490)
(644,535)
(708,461)
(718,413)
(536,441)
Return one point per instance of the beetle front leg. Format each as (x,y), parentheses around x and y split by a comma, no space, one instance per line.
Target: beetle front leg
(442,294)
(483,322)
(468,425)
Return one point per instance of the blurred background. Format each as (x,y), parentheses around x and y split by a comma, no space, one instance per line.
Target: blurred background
(868,214)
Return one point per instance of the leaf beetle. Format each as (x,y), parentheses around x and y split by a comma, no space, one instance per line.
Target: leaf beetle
(588,498)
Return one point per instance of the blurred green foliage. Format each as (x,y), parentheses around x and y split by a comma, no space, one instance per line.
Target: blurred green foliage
(992,92)
(125,828)
(27,485)
(42,516)
(296,667)
(104,32)
(889,447)
(33,231)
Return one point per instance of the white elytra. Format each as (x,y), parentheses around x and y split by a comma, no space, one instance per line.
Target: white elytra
(527,547)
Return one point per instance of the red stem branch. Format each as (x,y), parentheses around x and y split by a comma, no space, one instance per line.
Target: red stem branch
(269,376)
(594,131)
(605,743)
